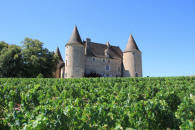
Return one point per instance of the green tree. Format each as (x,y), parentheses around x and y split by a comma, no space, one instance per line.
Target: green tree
(10,60)
(3,45)
(37,59)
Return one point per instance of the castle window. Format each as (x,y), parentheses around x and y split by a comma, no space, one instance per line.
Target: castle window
(107,67)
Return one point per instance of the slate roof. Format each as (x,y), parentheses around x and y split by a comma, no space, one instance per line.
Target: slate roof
(75,37)
(101,50)
(131,45)
(60,62)
(98,50)
(58,53)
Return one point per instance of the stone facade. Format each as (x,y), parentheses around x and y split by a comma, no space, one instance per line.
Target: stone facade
(106,67)
(75,60)
(132,64)
(85,57)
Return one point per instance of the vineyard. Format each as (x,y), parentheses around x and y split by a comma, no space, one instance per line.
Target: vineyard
(98,103)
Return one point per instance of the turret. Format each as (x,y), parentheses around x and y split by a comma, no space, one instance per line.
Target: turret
(60,65)
(75,58)
(132,60)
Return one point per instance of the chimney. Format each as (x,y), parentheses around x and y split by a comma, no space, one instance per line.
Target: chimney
(87,45)
(88,40)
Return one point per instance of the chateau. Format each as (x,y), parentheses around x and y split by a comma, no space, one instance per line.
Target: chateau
(83,58)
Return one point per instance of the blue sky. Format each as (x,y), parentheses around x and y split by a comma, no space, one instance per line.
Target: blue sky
(163,29)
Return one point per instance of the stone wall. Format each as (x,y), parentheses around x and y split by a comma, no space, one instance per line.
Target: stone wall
(107,67)
(132,64)
(75,61)
(62,69)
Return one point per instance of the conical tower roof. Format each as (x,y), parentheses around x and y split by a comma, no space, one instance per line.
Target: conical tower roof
(131,44)
(59,54)
(75,37)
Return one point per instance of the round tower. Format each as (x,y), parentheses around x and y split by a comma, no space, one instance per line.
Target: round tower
(75,58)
(132,60)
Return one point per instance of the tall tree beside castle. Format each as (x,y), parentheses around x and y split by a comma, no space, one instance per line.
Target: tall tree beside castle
(30,60)
(85,57)
(37,59)
(11,63)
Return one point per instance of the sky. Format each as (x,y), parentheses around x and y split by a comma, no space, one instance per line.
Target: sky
(164,30)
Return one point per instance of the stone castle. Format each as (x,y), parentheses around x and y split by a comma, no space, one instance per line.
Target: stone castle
(86,57)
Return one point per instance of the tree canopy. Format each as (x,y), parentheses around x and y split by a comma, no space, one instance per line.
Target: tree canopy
(10,60)
(3,45)
(29,60)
